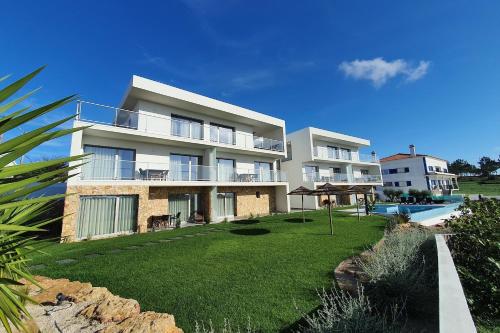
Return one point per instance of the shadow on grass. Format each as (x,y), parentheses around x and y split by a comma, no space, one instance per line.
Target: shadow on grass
(297,220)
(250,232)
(246,222)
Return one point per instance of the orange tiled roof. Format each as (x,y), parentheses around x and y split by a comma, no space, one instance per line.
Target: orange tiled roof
(402,156)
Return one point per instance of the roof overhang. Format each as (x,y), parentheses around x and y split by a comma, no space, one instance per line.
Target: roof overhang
(141,88)
(333,137)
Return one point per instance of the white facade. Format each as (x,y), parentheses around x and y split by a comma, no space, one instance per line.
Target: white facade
(317,156)
(415,171)
(165,137)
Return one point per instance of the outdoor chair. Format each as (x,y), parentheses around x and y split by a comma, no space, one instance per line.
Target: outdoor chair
(176,220)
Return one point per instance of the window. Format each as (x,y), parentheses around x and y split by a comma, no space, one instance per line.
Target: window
(104,215)
(222,134)
(257,194)
(225,169)
(187,127)
(408,183)
(186,168)
(445,170)
(333,152)
(393,171)
(407,170)
(264,171)
(364,172)
(345,154)
(438,169)
(396,184)
(225,204)
(185,204)
(310,172)
(431,168)
(108,163)
(387,183)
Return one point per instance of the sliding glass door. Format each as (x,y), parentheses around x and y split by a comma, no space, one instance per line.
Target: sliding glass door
(225,170)
(186,205)
(104,215)
(185,167)
(225,204)
(264,171)
(107,163)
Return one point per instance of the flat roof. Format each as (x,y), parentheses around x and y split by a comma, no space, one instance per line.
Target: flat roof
(335,136)
(141,88)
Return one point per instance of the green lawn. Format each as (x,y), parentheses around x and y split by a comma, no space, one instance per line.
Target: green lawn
(257,271)
(479,185)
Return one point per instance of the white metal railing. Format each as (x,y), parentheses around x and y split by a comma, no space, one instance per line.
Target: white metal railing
(341,178)
(343,155)
(176,127)
(111,169)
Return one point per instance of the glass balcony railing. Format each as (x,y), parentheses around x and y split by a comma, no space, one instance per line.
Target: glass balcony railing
(179,127)
(341,178)
(325,153)
(110,169)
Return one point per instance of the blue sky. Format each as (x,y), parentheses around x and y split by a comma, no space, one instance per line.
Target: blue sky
(395,72)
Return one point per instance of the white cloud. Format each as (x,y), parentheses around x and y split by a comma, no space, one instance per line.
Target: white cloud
(379,71)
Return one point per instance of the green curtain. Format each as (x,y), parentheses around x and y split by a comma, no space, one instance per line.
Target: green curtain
(127,213)
(97,216)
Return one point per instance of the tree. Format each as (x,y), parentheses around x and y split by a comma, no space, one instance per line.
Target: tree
(21,218)
(459,167)
(488,166)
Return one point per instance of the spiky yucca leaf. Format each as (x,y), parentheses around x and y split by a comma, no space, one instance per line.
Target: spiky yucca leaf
(21,216)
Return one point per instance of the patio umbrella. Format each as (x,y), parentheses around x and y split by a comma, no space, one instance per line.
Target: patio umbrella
(329,189)
(301,191)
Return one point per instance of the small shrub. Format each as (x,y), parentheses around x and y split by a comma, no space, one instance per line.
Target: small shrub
(395,219)
(227,328)
(403,270)
(341,312)
(476,253)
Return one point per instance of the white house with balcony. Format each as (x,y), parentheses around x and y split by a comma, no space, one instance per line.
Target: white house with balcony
(405,171)
(316,156)
(166,154)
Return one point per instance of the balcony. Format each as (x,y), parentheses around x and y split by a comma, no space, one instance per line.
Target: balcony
(342,178)
(342,155)
(158,124)
(111,169)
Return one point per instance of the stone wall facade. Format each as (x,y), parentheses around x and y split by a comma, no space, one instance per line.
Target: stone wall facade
(154,201)
(151,201)
(247,202)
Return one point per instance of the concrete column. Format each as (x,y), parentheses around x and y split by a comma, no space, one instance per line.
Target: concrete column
(348,171)
(210,159)
(212,195)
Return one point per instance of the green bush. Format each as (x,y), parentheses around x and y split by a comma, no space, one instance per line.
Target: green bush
(475,246)
(395,219)
(342,312)
(393,195)
(419,195)
(403,271)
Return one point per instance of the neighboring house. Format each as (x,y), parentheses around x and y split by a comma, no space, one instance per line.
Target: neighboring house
(317,156)
(417,171)
(170,151)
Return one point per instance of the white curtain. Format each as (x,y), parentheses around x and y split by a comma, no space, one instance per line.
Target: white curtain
(101,164)
(97,216)
(127,213)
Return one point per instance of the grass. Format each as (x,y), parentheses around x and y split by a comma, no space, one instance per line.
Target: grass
(252,269)
(479,185)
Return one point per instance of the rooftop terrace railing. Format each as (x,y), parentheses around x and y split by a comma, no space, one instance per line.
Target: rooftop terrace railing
(174,127)
(343,155)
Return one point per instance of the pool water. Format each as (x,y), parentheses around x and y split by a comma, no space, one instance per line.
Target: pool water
(418,213)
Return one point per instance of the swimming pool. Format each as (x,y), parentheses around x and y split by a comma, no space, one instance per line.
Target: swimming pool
(418,213)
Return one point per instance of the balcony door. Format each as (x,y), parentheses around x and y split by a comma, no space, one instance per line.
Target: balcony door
(225,170)
(186,167)
(345,154)
(335,174)
(108,163)
(310,173)
(222,134)
(186,204)
(187,127)
(333,152)
(264,171)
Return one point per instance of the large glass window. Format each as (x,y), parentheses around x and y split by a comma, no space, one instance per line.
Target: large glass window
(109,163)
(225,170)
(310,172)
(103,215)
(185,205)
(222,134)
(264,171)
(187,127)
(225,204)
(345,153)
(186,167)
(333,152)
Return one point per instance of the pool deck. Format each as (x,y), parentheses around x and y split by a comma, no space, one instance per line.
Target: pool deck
(438,219)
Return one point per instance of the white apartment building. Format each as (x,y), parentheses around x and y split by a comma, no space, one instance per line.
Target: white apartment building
(167,151)
(405,171)
(317,156)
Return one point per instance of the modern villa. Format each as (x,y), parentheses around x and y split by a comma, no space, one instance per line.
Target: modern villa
(418,171)
(169,154)
(316,156)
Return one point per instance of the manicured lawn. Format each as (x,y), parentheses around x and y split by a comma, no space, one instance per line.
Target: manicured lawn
(251,269)
(479,185)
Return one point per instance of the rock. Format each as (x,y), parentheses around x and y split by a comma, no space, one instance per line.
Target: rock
(111,308)
(146,322)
